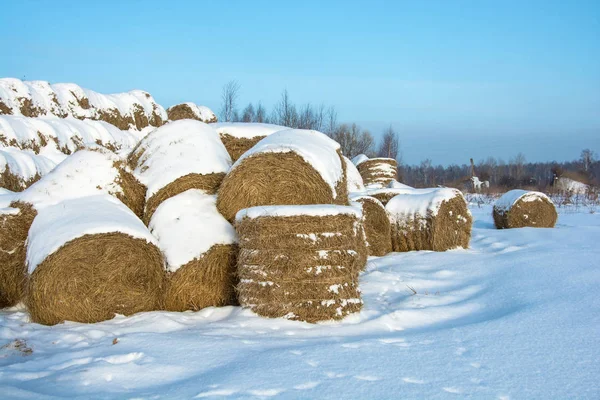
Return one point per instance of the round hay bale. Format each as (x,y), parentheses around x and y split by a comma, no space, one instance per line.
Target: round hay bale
(176,157)
(384,195)
(300,262)
(200,249)
(15,221)
(89,259)
(239,137)
(437,220)
(376,223)
(291,167)
(191,111)
(521,208)
(377,171)
(353,178)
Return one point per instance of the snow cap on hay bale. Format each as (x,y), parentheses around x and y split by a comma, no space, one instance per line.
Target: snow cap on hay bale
(521,208)
(437,220)
(384,195)
(355,181)
(376,223)
(239,137)
(300,262)
(394,184)
(15,220)
(191,111)
(200,249)
(19,169)
(89,259)
(290,167)
(178,156)
(378,171)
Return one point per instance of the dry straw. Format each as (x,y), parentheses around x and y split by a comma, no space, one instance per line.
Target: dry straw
(377,226)
(184,111)
(378,171)
(539,213)
(94,277)
(301,267)
(448,228)
(236,146)
(13,234)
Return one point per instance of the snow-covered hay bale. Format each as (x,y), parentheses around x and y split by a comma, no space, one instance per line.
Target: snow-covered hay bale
(290,167)
(377,171)
(14,225)
(89,259)
(521,208)
(239,137)
(384,195)
(437,220)
(191,111)
(376,223)
(20,169)
(353,178)
(200,249)
(300,262)
(179,156)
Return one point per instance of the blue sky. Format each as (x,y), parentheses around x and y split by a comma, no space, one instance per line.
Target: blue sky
(457,79)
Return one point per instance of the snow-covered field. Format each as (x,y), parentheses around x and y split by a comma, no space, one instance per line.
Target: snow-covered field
(516,316)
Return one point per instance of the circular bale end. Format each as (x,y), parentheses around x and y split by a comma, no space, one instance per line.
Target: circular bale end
(236,146)
(134,192)
(377,226)
(378,171)
(203,282)
(520,209)
(94,277)
(14,227)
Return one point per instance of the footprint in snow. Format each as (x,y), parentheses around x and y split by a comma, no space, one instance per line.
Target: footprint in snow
(307,385)
(266,392)
(452,390)
(413,380)
(369,378)
(217,393)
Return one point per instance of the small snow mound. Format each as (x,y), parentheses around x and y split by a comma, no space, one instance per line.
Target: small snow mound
(247,130)
(394,184)
(508,199)
(360,159)
(312,210)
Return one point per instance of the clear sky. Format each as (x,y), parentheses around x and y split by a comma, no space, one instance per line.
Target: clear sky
(457,79)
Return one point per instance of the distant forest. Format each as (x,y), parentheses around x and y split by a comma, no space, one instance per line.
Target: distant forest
(354,140)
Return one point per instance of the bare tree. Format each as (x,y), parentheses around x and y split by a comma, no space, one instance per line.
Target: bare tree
(588,157)
(229,98)
(285,112)
(390,144)
(248,115)
(331,123)
(261,113)
(519,165)
(354,141)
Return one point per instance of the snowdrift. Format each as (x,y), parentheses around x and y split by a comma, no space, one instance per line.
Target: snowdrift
(521,208)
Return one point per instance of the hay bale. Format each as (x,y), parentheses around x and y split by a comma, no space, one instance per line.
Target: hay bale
(353,178)
(300,262)
(377,171)
(176,157)
(14,225)
(89,259)
(20,169)
(384,195)
(521,208)
(239,137)
(200,249)
(437,220)
(376,223)
(191,111)
(290,167)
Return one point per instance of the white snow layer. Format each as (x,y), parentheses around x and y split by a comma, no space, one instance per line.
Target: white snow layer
(84,173)
(508,199)
(187,226)
(570,185)
(62,99)
(177,149)
(394,184)
(203,113)
(355,181)
(312,210)
(421,203)
(314,147)
(24,164)
(359,159)
(247,130)
(58,224)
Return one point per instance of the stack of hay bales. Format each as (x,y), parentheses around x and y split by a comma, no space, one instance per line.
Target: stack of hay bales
(300,262)
(200,250)
(91,258)
(435,219)
(376,223)
(521,208)
(191,111)
(85,173)
(290,167)
(178,156)
(376,172)
(353,178)
(239,137)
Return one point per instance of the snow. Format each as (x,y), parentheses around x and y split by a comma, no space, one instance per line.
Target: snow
(311,210)
(247,130)
(314,147)
(508,199)
(394,184)
(514,317)
(187,226)
(58,224)
(203,113)
(420,203)
(84,173)
(571,185)
(24,164)
(177,149)
(360,159)
(355,181)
